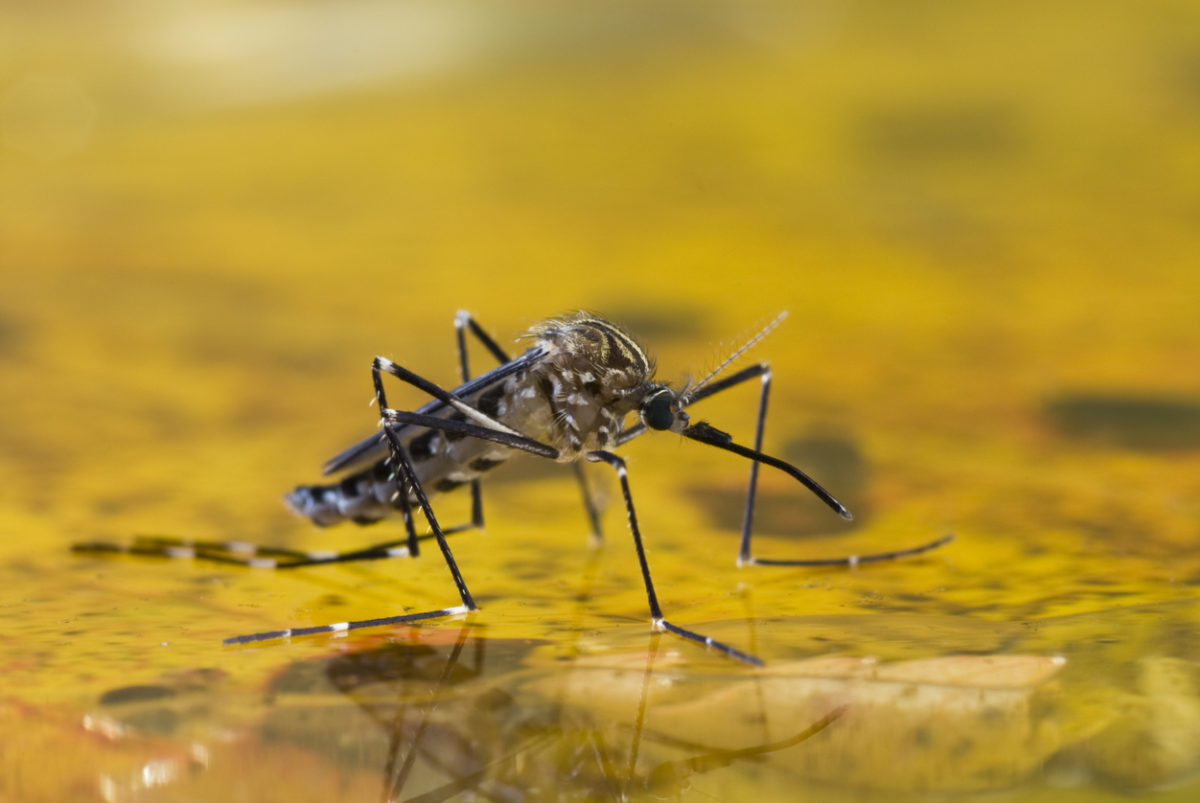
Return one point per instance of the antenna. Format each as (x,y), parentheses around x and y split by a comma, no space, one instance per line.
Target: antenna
(749,344)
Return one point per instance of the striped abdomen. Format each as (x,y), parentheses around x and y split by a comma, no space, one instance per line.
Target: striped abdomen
(443,461)
(367,496)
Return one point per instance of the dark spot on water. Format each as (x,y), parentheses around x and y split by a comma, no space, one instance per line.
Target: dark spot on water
(1184,79)
(396,662)
(1130,421)
(963,747)
(776,512)
(161,721)
(836,462)
(493,700)
(8,334)
(135,694)
(939,133)
(991,715)
(787,507)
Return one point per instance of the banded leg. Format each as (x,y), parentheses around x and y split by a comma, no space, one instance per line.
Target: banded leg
(408,477)
(241,553)
(407,480)
(656,614)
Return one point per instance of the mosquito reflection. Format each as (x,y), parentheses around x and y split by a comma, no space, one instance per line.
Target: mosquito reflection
(478,716)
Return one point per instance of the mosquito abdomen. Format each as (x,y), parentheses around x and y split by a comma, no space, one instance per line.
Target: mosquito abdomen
(370,495)
(364,498)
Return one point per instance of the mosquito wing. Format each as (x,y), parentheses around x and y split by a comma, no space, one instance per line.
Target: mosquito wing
(375,446)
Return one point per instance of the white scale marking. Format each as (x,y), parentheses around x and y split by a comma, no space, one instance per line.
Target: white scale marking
(321,554)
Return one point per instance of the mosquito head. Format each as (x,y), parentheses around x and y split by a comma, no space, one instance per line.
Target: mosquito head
(662,410)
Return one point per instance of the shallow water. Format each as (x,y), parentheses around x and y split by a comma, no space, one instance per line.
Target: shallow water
(982,223)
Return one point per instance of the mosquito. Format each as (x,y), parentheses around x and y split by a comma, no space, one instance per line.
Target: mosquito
(567,398)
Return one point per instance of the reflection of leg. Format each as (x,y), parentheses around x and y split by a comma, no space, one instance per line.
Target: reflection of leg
(394,787)
(656,613)
(635,743)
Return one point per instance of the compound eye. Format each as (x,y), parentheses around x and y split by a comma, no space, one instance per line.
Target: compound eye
(658,413)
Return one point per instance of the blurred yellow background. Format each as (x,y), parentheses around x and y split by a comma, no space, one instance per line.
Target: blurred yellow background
(984,220)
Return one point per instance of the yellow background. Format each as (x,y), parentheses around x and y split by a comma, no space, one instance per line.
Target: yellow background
(983,219)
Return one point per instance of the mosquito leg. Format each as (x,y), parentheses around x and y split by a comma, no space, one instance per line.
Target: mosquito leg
(407,478)
(706,433)
(400,500)
(752,487)
(409,475)
(407,482)
(463,322)
(240,553)
(382,365)
(656,614)
(589,504)
(762,371)
(507,437)
(487,428)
